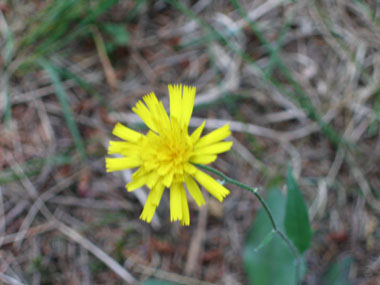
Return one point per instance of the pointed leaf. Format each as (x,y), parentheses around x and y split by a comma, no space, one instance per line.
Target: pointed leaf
(267,258)
(297,225)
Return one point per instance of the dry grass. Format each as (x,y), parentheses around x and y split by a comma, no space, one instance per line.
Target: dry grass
(64,221)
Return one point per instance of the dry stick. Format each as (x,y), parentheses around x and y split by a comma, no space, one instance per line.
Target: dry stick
(111,263)
(196,242)
(100,254)
(9,280)
(33,193)
(84,268)
(10,264)
(75,236)
(18,98)
(169,276)
(48,139)
(2,214)
(266,208)
(16,211)
(106,63)
(247,155)
(104,257)
(15,237)
(143,65)
(63,184)
(90,203)
(236,126)
(258,12)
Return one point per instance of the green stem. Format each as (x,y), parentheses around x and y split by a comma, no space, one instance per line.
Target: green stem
(254,190)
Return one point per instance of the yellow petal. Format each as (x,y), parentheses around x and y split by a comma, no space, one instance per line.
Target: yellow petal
(151,203)
(152,179)
(115,147)
(215,136)
(185,221)
(211,185)
(213,148)
(194,190)
(151,101)
(187,104)
(189,168)
(203,159)
(159,116)
(162,117)
(163,169)
(175,98)
(143,112)
(137,182)
(168,178)
(124,148)
(126,133)
(116,164)
(157,192)
(176,202)
(197,133)
(148,212)
(140,172)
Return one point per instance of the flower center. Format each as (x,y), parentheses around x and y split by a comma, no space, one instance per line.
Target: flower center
(167,153)
(178,151)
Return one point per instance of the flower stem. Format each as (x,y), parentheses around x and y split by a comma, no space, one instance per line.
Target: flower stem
(254,190)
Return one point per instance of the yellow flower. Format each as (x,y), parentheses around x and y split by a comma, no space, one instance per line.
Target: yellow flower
(167,153)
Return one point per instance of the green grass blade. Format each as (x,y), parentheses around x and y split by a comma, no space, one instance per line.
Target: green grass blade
(9,46)
(370,11)
(49,35)
(7,54)
(374,125)
(44,25)
(84,25)
(297,94)
(135,10)
(68,114)
(83,83)
(8,103)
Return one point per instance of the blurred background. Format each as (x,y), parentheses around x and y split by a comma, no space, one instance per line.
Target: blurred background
(297,80)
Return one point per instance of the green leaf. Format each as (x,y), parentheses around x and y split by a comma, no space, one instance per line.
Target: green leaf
(297,225)
(117,32)
(9,46)
(267,258)
(338,272)
(7,54)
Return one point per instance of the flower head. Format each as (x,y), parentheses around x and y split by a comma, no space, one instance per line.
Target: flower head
(166,155)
